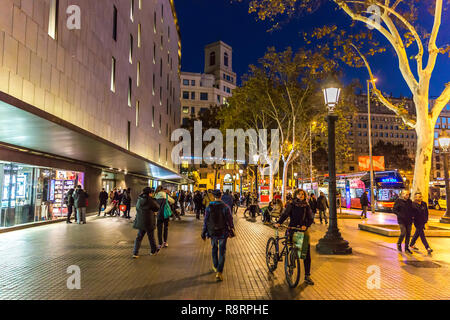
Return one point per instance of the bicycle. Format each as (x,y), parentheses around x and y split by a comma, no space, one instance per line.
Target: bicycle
(291,263)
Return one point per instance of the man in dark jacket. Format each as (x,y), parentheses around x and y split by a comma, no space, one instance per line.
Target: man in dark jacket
(80,202)
(299,214)
(420,219)
(313,206)
(103,198)
(69,203)
(322,206)
(145,222)
(228,200)
(198,199)
(218,225)
(404,211)
(126,201)
(364,204)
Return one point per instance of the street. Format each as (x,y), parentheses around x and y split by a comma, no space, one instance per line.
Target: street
(35,261)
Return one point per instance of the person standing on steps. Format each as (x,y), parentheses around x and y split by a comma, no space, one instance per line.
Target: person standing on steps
(322,206)
(103,198)
(218,226)
(420,220)
(146,208)
(364,204)
(403,208)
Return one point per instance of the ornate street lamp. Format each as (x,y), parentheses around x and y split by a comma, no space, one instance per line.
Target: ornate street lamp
(256,159)
(241,172)
(332,242)
(444,144)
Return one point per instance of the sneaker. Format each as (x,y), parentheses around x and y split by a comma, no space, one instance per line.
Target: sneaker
(413,247)
(155,253)
(429,250)
(214,269)
(219,276)
(68,222)
(309,281)
(408,251)
(135,256)
(399,247)
(165,245)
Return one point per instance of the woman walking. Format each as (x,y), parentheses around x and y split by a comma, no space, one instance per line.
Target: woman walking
(299,213)
(420,219)
(162,195)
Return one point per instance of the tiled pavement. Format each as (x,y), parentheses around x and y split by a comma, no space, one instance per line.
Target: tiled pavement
(33,264)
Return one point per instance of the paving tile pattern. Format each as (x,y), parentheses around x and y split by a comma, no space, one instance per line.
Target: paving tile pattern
(34,262)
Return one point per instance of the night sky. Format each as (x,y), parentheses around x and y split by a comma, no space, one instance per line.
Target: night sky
(206,21)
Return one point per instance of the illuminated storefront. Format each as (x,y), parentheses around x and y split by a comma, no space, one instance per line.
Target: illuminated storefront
(32,194)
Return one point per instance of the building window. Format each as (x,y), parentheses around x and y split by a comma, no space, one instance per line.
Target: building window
(204,96)
(160,69)
(154,22)
(137,113)
(193,83)
(115,24)
(192,95)
(154,53)
(186,110)
(154,84)
(53,19)
(129,136)
(159,152)
(139,35)
(113,75)
(212,58)
(132,11)
(153,116)
(185,82)
(131,49)
(138,76)
(130,84)
(160,124)
(225,59)
(185,94)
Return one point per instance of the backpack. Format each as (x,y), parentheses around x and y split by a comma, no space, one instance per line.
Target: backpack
(167,210)
(216,223)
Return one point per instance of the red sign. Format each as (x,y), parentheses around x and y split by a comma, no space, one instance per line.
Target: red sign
(364,163)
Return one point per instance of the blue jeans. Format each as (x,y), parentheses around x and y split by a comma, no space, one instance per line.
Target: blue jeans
(219,247)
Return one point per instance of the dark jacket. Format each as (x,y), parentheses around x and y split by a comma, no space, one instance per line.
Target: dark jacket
(223,209)
(420,214)
(322,203)
(80,196)
(404,211)
(228,200)
(198,199)
(313,205)
(146,207)
(364,200)
(103,197)
(69,201)
(299,213)
(126,198)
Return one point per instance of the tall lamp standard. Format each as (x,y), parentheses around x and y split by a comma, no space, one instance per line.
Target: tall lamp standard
(332,242)
(310,153)
(295,180)
(444,144)
(372,195)
(241,172)
(256,159)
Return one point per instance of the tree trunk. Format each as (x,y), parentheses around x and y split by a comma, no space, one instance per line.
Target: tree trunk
(285,175)
(270,182)
(424,154)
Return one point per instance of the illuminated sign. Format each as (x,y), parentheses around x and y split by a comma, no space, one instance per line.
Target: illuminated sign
(389,180)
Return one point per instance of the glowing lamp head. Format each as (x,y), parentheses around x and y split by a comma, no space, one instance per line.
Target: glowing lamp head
(444,141)
(331,95)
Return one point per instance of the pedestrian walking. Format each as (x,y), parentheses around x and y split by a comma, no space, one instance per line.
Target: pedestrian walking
(126,201)
(69,201)
(103,199)
(162,196)
(80,202)
(404,211)
(207,199)
(198,202)
(146,208)
(420,220)
(364,204)
(322,206)
(228,200)
(236,202)
(181,201)
(313,206)
(218,226)
(299,214)
(174,207)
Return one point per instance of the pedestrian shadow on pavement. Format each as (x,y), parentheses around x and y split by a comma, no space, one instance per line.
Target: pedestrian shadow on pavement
(164,289)
(282,291)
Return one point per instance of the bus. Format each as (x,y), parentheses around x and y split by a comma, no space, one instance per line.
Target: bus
(388,186)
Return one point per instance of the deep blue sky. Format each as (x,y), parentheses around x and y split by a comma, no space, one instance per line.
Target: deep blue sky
(206,21)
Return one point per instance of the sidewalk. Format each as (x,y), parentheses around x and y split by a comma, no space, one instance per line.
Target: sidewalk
(34,265)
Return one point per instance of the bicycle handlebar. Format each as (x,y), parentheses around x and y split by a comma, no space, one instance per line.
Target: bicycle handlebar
(293,228)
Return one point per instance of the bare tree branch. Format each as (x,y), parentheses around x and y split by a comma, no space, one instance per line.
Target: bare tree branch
(441,102)
(432,48)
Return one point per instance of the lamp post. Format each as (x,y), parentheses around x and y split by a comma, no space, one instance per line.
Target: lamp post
(332,242)
(310,154)
(241,172)
(295,179)
(444,144)
(256,159)
(372,195)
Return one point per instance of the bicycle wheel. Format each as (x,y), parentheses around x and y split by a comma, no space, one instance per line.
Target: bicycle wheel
(292,267)
(271,254)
